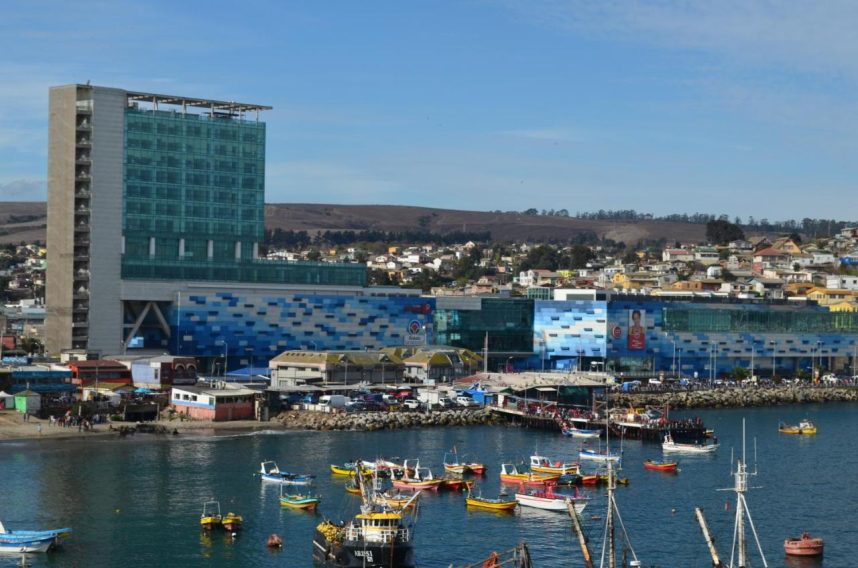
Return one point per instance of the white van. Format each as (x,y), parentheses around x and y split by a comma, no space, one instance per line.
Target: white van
(334,400)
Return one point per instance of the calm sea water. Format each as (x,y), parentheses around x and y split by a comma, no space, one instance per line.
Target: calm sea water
(137,501)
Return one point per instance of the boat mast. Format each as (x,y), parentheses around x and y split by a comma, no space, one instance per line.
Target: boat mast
(701,520)
(740,488)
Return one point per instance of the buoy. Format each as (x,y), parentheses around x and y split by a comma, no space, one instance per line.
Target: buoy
(274,541)
(726,505)
(673,511)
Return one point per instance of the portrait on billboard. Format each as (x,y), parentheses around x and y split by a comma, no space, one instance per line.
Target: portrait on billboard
(637,330)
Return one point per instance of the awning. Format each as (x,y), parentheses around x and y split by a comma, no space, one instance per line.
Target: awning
(546,389)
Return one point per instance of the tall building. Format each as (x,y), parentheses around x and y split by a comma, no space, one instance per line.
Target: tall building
(149,195)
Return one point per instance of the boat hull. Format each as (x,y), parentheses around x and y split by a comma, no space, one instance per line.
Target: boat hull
(804,546)
(21,546)
(362,555)
(547,503)
(688,448)
(490,504)
(418,485)
(304,504)
(663,466)
(597,457)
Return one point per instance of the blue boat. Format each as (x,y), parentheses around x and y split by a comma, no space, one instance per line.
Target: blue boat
(269,471)
(17,542)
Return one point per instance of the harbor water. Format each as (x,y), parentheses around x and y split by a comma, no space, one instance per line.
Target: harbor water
(137,501)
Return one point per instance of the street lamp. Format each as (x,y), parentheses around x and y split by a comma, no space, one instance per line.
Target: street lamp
(673,363)
(508,359)
(772,343)
(753,352)
(225,354)
(679,370)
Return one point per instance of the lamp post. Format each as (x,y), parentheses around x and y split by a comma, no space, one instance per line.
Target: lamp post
(673,363)
(225,354)
(753,352)
(679,370)
(508,359)
(346,377)
(544,349)
(772,343)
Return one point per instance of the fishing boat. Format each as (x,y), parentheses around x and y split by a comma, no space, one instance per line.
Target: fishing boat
(30,541)
(377,537)
(604,478)
(805,545)
(232,522)
(476,468)
(452,483)
(581,433)
(421,480)
(491,504)
(548,500)
(805,427)
(396,500)
(305,502)
(268,471)
(352,489)
(661,465)
(541,464)
(696,448)
(599,456)
(453,465)
(510,474)
(590,479)
(349,468)
(211,518)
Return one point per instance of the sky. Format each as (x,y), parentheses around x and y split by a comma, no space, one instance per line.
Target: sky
(738,107)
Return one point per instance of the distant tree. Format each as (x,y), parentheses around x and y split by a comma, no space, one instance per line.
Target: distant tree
(795,237)
(531,211)
(721,232)
(314,256)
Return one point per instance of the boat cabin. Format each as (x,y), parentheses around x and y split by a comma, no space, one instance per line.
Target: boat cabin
(378,527)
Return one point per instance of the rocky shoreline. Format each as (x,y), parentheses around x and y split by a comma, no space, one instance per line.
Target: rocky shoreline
(738,397)
(371,421)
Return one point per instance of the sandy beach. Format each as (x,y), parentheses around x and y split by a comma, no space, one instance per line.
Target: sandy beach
(13,427)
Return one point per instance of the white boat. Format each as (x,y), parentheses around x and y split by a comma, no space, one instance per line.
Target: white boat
(670,446)
(548,501)
(269,471)
(581,433)
(598,456)
(17,542)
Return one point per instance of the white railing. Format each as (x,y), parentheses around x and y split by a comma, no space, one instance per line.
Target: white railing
(384,535)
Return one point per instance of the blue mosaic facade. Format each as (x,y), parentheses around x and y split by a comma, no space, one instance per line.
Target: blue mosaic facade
(564,331)
(257,326)
(793,351)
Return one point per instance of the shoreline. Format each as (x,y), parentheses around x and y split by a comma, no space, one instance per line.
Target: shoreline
(13,428)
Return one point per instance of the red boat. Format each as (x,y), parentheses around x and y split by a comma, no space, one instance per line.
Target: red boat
(657,465)
(476,468)
(590,479)
(806,545)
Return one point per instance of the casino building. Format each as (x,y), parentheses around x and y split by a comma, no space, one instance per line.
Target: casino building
(155,217)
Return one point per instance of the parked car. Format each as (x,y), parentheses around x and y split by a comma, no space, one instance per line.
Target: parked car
(334,400)
(446,403)
(355,406)
(466,401)
(411,403)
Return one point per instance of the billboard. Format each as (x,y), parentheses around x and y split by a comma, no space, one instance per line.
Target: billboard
(415,333)
(637,330)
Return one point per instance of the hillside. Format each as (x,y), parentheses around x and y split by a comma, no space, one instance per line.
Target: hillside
(26,222)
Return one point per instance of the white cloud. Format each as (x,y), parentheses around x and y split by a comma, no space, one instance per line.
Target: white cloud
(24,190)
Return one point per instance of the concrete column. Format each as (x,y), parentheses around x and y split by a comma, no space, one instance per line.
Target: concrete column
(255,251)
(151,246)
(210,249)
(181,248)
(237,250)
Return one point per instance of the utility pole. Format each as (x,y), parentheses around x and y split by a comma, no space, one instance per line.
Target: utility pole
(486,355)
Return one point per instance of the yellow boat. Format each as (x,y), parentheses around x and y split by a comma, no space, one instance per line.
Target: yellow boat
(211,518)
(232,522)
(805,427)
(347,469)
(353,489)
(490,504)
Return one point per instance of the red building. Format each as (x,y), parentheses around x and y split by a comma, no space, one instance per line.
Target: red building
(214,404)
(87,373)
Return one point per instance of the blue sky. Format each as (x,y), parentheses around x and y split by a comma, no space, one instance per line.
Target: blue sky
(737,107)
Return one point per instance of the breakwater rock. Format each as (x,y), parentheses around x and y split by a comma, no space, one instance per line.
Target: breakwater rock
(370,421)
(738,397)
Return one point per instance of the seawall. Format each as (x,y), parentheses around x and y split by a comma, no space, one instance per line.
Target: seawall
(371,421)
(738,397)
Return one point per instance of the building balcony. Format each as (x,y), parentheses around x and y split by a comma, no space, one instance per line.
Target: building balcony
(83,160)
(82,176)
(84,126)
(80,324)
(80,309)
(83,107)
(83,143)
(81,295)
(82,193)
(82,211)
(81,228)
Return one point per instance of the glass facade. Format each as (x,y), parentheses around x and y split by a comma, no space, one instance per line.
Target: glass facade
(194,203)
(507,321)
(755,321)
(566,331)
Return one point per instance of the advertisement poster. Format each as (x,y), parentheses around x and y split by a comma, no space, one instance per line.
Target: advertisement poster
(637,330)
